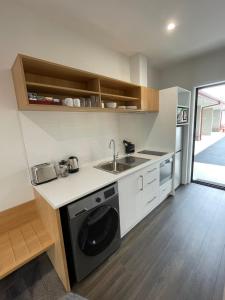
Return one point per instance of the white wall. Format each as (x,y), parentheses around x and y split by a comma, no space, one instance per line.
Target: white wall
(23,31)
(202,70)
(54,136)
(139,69)
(142,71)
(153,76)
(14,187)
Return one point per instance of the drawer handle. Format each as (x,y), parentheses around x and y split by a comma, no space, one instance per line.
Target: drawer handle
(152,181)
(152,170)
(142,183)
(148,202)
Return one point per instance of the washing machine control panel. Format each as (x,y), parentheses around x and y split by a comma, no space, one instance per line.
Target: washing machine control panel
(92,200)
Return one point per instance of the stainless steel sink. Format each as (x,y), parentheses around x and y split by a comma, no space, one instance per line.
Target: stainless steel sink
(121,165)
(113,168)
(132,160)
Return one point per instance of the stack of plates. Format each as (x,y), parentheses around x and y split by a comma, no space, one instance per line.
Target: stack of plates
(131,107)
(111,104)
(127,107)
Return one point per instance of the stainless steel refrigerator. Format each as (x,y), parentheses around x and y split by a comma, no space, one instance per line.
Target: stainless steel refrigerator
(178,156)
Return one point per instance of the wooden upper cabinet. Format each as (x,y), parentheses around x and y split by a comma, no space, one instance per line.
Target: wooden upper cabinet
(49,80)
(20,83)
(149,99)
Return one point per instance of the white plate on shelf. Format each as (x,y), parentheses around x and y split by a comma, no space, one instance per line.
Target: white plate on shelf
(131,107)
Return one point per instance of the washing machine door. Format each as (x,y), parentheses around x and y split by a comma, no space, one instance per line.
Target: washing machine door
(98,230)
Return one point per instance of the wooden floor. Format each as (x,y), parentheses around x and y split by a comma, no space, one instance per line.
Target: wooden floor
(37,280)
(176,253)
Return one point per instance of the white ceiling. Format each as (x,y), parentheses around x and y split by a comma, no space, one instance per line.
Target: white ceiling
(138,26)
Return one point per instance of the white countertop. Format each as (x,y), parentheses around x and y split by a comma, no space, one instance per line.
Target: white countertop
(89,179)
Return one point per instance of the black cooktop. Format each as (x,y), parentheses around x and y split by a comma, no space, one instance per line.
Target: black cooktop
(149,152)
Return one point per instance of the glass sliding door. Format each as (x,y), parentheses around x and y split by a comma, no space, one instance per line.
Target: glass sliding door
(209,139)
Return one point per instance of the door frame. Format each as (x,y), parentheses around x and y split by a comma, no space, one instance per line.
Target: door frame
(213,185)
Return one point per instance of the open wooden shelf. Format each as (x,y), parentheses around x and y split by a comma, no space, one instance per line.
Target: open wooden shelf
(114,97)
(47,88)
(53,80)
(44,107)
(28,230)
(20,245)
(121,110)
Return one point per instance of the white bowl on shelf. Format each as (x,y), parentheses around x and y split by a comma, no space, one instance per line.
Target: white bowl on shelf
(111,104)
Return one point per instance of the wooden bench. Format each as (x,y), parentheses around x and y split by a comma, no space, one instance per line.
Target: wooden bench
(28,230)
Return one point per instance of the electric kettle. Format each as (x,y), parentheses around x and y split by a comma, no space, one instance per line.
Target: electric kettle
(72,163)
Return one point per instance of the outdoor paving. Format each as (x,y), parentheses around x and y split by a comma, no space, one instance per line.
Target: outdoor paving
(209,165)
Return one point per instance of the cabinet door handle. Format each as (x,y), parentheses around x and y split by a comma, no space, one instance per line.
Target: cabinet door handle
(148,202)
(150,171)
(152,181)
(142,183)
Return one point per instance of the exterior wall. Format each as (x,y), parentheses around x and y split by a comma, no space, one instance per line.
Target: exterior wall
(198,123)
(207,121)
(216,120)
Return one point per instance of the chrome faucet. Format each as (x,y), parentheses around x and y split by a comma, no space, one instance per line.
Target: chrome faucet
(112,141)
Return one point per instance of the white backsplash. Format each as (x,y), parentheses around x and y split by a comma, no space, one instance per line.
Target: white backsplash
(52,136)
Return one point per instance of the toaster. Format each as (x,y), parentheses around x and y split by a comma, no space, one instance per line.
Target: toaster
(43,173)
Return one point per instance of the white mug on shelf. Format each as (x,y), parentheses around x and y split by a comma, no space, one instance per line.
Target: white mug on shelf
(76,102)
(68,101)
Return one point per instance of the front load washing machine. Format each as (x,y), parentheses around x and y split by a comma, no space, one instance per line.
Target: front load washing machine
(94,228)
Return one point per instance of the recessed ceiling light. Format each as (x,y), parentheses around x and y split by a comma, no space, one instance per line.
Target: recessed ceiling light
(171,26)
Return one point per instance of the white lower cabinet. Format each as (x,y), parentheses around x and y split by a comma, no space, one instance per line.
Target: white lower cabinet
(129,192)
(138,196)
(149,199)
(165,190)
